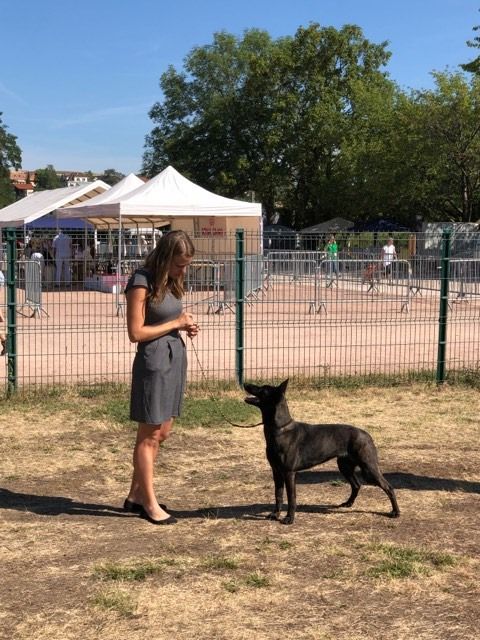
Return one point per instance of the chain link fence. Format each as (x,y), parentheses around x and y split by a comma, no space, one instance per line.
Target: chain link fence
(265,312)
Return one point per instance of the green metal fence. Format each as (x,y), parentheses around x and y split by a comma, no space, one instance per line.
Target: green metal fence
(267,309)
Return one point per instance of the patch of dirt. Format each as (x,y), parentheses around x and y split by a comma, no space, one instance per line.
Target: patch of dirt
(225,571)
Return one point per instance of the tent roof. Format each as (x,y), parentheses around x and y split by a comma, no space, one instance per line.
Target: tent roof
(168,195)
(40,203)
(125,185)
(335,224)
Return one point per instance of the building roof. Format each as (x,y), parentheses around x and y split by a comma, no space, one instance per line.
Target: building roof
(24,186)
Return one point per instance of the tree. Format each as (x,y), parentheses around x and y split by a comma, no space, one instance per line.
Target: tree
(263,115)
(328,71)
(47,179)
(111,176)
(474,65)
(448,141)
(10,157)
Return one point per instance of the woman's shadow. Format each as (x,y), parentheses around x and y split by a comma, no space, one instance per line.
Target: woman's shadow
(55,505)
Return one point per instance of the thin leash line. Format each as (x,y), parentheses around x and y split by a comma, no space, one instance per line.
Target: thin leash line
(212,397)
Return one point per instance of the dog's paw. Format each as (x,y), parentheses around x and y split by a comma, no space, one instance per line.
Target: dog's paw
(394,514)
(288,520)
(348,503)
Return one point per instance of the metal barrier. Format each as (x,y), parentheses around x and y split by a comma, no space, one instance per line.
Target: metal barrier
(222,284)
(464,279)
(29,277)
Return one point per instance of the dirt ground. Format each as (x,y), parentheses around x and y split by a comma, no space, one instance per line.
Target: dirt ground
(75,566)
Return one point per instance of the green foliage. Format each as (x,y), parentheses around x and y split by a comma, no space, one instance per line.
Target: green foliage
(117,601)
(257,580)
(405,562)
(231,586)
(445,148)
(137,571)
(474,65)
(311,125)
(208,412)
(111,176)
(10,157)
(268,116)
(220,562)
(47,179)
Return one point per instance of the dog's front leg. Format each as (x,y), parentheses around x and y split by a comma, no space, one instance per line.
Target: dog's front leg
(290,482)
(279,481)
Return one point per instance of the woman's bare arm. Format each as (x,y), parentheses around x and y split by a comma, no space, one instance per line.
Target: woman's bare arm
(138,331)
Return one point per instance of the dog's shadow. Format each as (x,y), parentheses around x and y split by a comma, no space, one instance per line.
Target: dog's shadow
(57,505)
(398,480)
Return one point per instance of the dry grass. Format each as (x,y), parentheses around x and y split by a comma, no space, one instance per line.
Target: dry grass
(74,566)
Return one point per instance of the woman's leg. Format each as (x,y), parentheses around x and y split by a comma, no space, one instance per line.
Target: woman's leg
(149,438)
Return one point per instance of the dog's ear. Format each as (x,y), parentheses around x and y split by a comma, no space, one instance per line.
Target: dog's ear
(283,386)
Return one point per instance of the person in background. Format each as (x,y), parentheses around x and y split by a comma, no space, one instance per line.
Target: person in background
(332,256)
(388,256)
(62,252)
(142,246)
(154,320)
(36,253)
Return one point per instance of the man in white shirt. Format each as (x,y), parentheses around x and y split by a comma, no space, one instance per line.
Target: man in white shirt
(62,251)
(388,256)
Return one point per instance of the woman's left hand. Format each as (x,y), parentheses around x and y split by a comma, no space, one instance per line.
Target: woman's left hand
(193,330)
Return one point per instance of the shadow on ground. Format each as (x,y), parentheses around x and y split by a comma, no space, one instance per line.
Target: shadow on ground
(57,505)
(398,480)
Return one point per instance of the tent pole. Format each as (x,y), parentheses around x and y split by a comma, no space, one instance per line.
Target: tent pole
(119,265)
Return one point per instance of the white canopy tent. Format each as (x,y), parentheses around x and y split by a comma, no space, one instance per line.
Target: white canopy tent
(40,203)
(170,198)
(128,184)
(167,196)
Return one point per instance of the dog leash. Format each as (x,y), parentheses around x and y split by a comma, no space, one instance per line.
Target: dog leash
(212,397)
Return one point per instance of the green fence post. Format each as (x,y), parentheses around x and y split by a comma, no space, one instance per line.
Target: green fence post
(443,313)
(11,311)
(239,303)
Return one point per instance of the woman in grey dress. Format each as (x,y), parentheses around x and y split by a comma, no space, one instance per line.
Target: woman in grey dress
(154,320)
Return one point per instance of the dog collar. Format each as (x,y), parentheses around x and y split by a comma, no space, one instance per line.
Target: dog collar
(284,427)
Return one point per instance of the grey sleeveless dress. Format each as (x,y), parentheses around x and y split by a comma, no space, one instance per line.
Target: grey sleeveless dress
(160,365)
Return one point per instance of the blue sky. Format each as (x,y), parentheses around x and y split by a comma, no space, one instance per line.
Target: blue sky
(78,78)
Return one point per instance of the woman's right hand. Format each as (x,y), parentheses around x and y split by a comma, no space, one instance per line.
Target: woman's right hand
(185,321)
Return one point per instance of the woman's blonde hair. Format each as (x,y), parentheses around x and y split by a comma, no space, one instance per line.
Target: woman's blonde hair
(158,262)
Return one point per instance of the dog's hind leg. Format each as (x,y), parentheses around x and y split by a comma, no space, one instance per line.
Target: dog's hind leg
(346,467)
(372,474)
(279,481)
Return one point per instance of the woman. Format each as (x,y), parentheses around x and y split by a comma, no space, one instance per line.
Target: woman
(154,319)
